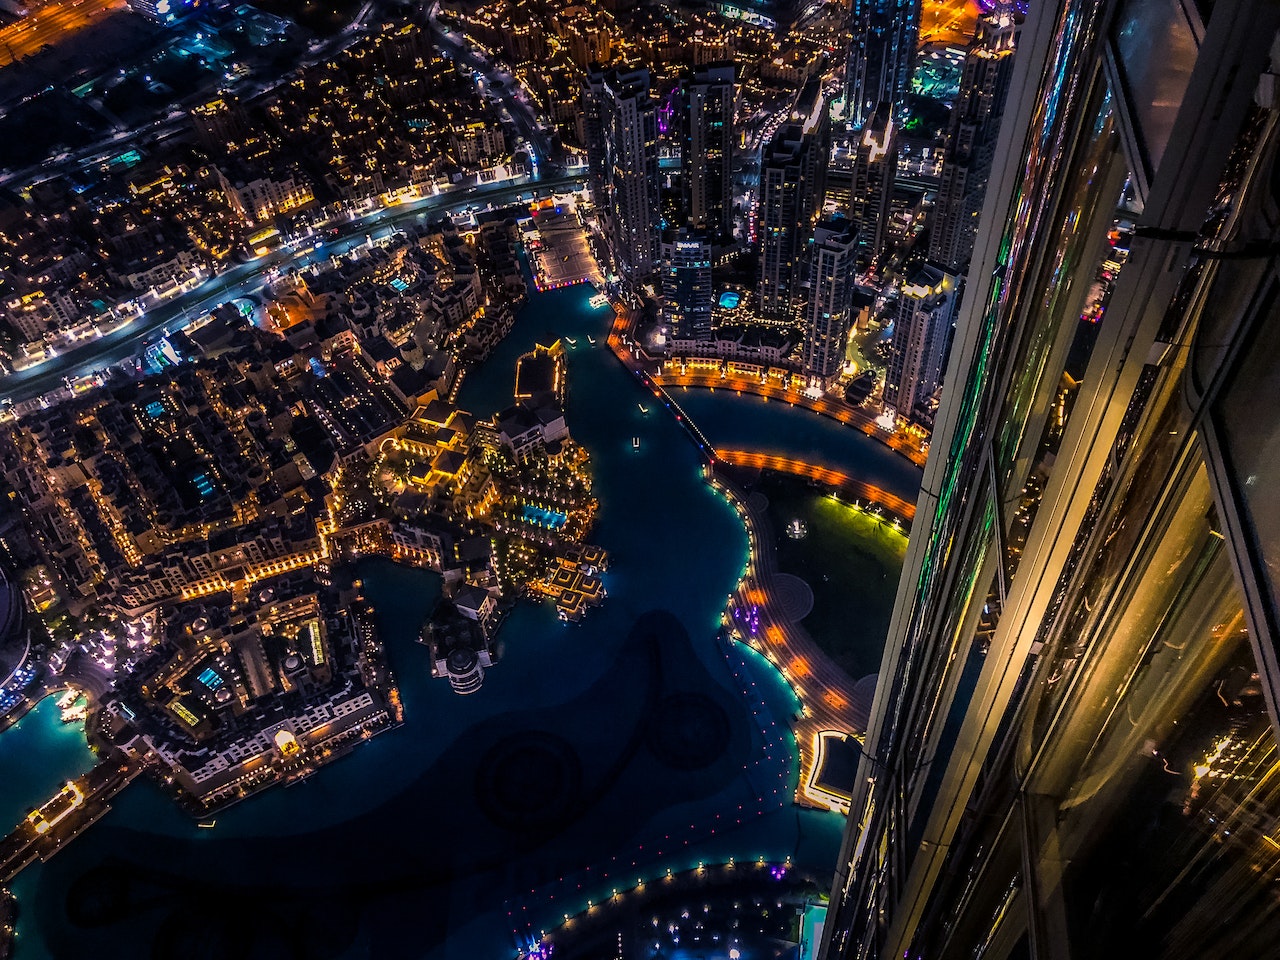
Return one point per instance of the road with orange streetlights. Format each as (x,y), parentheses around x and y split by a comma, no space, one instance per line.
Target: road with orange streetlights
(952,22)
(50,24)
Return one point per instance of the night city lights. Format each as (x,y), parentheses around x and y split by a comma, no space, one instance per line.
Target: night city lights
(639,479)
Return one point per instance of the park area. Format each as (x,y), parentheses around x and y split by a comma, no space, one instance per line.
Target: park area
(850,559)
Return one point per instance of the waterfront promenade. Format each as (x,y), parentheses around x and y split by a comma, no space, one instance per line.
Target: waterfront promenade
(907,444)
(895,506)
(651,371)
(764,613)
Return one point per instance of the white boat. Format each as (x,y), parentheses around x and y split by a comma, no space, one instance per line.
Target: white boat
(207,824)
(635,443)
(643,409)
(572,342)
(591,340)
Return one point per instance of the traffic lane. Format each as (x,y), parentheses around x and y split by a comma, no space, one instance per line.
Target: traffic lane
(122,343)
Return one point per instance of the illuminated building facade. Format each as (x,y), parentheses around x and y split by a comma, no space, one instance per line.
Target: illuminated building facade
(792,182)
(708,150)
(875,163)
(161,11)
(927,300)
(221,124)
(686,285)
(828,309)
(1072,749)
(626,158)
(882,54)
(971,140)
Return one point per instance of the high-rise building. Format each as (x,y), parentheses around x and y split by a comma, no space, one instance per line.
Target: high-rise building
(927,300)
(686,284)
(592,128)
(1072,750)
(882,54)
(829,304)
(875,165)
(707,149)
(792,182)
(622,130)
(971,138)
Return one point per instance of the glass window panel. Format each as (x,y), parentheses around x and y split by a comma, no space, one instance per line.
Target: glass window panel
(1252,445)
(1156,50)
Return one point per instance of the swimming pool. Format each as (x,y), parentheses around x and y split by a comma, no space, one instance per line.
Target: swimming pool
(544,518)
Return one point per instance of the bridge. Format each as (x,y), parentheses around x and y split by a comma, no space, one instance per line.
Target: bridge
(68,813)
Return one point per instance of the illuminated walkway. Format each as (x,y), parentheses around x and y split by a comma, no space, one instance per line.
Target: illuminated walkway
(74,808)
(895,505)
(905,444)
(832,701)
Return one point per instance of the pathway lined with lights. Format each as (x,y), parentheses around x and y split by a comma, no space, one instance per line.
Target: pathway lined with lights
(910,445)
(904,443)
(78,805)
(895,505)
(833,702)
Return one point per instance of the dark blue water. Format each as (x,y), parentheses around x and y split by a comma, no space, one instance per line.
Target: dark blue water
(37,756)
(594,756)
(733,422)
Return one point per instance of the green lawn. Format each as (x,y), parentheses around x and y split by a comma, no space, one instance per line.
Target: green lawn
(851,561)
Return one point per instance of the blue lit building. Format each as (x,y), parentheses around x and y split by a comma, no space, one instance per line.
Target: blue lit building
(162,11)
(882,55)
(687,295)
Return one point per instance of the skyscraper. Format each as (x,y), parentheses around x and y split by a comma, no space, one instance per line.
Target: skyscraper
(1072,750)
(971,139)
(707,149)
(882,54)
(792,180)
(875,165)
(625,166)
(686,284)
(828,307)
(927,299)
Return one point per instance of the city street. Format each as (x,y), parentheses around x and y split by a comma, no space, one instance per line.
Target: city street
(247,278)
(50,24)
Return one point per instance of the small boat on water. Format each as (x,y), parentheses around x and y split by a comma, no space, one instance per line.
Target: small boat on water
(207,824)
(572,342)
(643,409)
(591,340)
(635,443)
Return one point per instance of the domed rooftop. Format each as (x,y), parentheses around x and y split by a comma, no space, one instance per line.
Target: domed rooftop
(461,661)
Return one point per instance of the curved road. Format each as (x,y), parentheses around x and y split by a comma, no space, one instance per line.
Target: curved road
(244,278)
